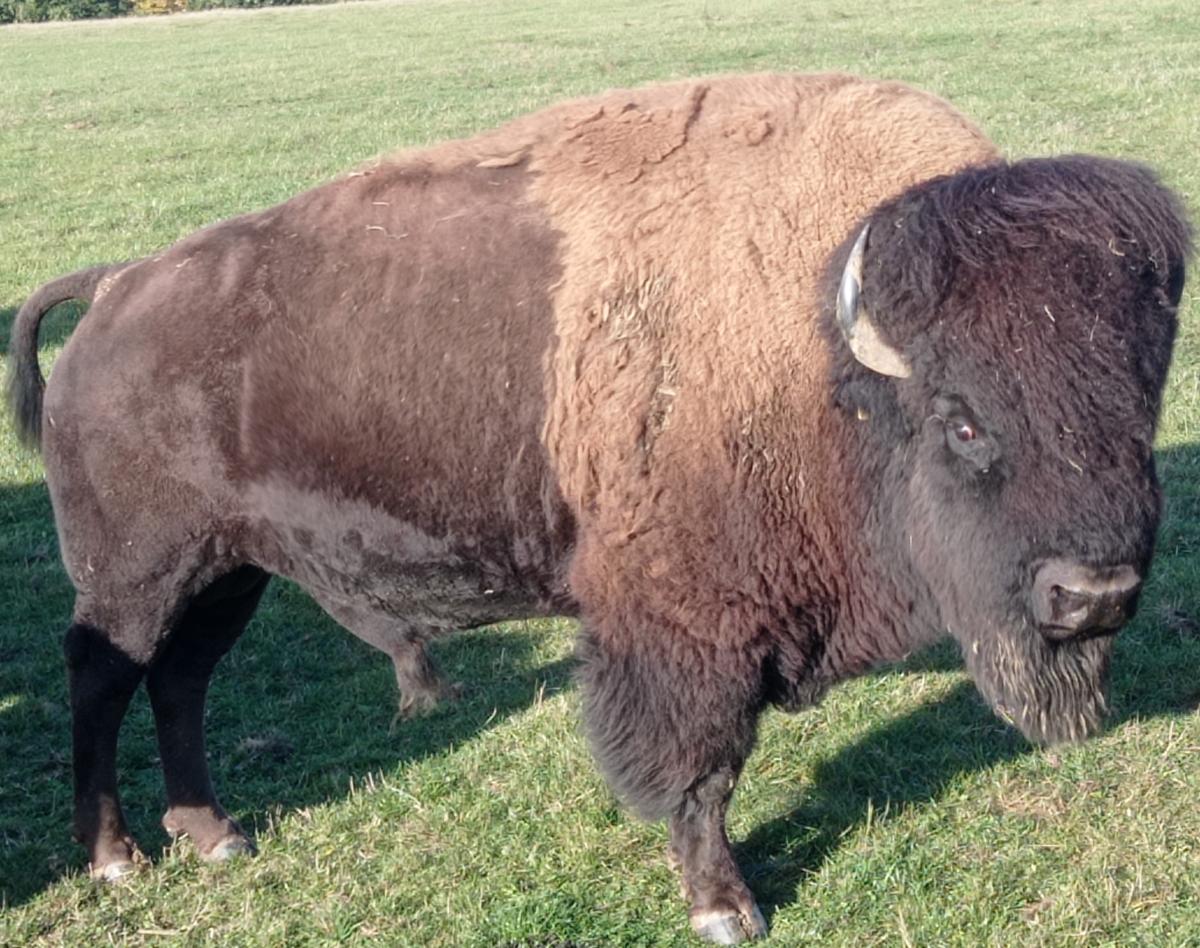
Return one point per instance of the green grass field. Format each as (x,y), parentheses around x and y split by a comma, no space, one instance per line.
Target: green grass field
(898,812)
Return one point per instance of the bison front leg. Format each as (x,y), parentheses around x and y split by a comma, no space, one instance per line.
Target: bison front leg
(722,908)
(418,680)
(671,719)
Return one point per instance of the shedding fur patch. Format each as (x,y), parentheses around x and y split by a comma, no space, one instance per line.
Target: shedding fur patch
(621,142)
(504,161)
(750,127)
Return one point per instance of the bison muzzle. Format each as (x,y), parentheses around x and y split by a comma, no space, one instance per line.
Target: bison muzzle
(767,379)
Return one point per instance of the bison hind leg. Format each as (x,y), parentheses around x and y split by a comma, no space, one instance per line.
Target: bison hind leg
(102,679)
(421,685)
(178,685)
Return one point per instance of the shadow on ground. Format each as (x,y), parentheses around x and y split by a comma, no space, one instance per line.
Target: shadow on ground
(56,326)
(911,760)
(7,315)
(300,708)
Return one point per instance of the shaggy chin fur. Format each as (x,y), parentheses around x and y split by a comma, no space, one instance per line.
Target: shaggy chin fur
(1054,693)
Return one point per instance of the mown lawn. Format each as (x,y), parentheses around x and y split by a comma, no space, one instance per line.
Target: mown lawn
(898,812)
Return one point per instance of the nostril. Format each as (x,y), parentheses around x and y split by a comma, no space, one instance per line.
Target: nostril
(1070,606)
(1071,598)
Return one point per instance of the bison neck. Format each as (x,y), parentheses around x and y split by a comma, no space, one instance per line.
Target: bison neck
(847,598)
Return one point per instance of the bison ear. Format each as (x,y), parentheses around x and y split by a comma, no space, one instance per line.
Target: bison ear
(857,329)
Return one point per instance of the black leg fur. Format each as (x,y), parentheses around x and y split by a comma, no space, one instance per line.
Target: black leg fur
(722,909)
(102,680)
(178,685)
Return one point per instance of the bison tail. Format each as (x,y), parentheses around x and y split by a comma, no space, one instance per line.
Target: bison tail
(25,382)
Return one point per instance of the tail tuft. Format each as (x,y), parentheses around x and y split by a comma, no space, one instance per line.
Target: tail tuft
(25,383)
(25,388)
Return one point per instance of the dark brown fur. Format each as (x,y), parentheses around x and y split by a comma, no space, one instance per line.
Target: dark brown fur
(25,385)
(587,364)
(1044,293)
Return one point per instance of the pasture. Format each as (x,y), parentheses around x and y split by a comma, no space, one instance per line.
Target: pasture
(899,811)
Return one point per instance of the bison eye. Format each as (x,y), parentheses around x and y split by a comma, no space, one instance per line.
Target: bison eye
(964,436)
(971,444)
(963,431)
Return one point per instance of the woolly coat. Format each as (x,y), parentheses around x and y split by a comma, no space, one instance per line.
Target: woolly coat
(573,360)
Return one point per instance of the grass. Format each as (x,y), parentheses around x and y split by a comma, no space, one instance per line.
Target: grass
(898,812)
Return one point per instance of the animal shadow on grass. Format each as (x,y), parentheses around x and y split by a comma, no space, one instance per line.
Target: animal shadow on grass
(297,712)
(909,761)
(52,332)
(7,315)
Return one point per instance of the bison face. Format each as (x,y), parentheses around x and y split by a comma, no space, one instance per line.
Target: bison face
(1034,564)
(1019,320)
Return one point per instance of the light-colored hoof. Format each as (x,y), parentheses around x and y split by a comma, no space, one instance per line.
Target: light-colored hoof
(231,847)
(419,704)
(754,924)
(730,928)
(113,871)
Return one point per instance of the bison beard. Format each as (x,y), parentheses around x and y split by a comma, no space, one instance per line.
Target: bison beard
(1053,692)
(768,379)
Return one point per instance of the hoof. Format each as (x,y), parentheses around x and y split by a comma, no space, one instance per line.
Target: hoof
(113,871)
(230,848)
(754,923)
(418,703)
(730,928)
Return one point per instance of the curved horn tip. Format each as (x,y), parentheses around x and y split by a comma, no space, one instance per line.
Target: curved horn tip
(870,349)
(860,333)
(850,287)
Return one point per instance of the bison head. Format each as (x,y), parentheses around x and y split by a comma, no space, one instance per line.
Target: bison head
(1007,335)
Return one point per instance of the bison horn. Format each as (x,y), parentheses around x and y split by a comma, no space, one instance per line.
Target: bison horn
(857,329)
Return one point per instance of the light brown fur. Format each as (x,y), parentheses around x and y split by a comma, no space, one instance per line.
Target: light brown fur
(690,277)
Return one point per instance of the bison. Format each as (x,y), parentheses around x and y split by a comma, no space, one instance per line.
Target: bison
(767,379)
